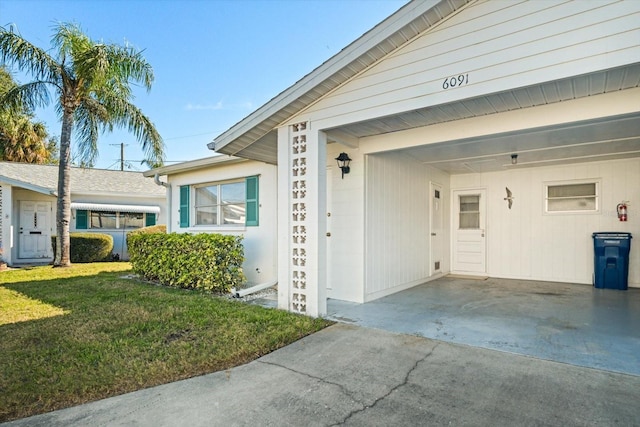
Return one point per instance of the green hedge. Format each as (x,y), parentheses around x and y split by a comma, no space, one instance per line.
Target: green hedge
(160,228)
(208,262)
(88,247)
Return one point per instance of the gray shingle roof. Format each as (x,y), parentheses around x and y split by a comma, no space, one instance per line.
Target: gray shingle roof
(83,181)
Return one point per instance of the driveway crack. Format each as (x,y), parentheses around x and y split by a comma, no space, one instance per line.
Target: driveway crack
(384,396)
(323,380)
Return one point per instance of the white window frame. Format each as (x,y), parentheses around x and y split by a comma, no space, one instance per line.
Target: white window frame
(598,185)
(219,214)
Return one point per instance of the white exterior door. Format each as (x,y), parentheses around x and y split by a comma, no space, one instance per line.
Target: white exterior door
(469,233)
(35,230)
(330,279)
(436,228)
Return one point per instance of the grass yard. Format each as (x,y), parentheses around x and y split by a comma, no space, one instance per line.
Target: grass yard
(73,335)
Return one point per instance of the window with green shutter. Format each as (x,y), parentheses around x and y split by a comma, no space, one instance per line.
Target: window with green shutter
(81,220)
(150,220)
(184,206)
(252,201)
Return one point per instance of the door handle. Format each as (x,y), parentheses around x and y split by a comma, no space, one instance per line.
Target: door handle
(328,234)
(433,234)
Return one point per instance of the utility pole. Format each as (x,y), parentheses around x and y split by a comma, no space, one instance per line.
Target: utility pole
(121,155)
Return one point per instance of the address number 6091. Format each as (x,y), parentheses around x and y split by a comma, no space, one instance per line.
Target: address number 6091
(459,80)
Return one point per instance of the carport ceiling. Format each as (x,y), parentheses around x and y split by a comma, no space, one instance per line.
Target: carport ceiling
(614,138)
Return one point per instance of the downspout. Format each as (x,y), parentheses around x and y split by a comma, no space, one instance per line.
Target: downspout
(156,179)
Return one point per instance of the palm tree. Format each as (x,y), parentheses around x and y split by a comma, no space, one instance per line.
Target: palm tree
(21,138)
(92,84)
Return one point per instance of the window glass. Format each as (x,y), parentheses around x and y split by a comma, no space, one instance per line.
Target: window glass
(100,219)
(131,220)
(221,204)
(469,215)
(572,197)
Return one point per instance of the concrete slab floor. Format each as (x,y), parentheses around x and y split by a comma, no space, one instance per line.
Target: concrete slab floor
(568,323)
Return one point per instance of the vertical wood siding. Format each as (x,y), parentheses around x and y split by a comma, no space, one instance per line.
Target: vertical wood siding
(500,45)
(527,243)
(397,201)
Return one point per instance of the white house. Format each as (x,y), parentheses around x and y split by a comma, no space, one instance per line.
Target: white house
(227,195)
(442,107)
(103,201)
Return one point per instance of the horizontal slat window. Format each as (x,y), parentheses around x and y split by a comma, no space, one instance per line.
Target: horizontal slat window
(578,197)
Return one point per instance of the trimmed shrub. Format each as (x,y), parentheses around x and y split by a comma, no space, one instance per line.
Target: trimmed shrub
(160,228)
(88,247)
(207,262)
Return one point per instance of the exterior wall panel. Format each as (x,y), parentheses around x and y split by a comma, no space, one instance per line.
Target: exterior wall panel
(527,243)
(397,209)
(500,46)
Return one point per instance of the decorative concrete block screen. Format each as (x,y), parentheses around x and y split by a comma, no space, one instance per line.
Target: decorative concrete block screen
(299,214)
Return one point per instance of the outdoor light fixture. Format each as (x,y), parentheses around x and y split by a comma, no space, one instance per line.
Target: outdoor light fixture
(514,159)
(343,163)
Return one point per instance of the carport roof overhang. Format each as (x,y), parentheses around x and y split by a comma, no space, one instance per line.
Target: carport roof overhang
(264,148)
(255,137)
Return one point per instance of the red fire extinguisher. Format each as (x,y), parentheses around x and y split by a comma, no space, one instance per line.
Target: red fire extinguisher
(622,211)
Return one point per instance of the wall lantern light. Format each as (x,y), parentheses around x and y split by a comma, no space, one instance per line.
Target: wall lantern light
(514,159)
(343,163)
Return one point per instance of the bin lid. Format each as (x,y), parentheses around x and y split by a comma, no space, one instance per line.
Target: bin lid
(611,235)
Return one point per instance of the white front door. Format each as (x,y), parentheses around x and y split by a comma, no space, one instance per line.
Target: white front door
(469,231)
(35,230)
(436,228)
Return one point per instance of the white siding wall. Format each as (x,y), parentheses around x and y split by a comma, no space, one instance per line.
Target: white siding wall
(526,243)
(345,260)
(397,223)
(501,45)
(260,243)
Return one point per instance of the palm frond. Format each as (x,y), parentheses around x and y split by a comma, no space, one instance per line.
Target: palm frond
(28,57)
(127,115)
(30,96)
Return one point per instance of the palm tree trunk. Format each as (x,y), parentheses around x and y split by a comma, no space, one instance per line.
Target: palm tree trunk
(63,207)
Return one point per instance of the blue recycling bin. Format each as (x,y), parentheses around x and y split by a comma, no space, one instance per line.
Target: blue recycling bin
(611,260)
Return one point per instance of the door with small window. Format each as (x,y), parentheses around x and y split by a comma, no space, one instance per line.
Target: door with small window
(35,230)
(469,243)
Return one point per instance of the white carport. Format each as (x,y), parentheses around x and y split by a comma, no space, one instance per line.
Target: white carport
(431,105)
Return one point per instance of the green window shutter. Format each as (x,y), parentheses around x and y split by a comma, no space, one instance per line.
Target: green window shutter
(184,206)
(252,201)
(150,220)
(82,218)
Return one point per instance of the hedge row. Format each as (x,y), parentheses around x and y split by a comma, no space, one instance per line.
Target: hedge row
(88,247)
(208,262)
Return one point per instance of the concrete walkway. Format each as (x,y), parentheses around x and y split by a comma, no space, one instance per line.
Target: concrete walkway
(355,376)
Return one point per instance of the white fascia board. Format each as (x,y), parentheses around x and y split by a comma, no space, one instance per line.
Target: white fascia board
(193,165)
(28,186)
(376,35)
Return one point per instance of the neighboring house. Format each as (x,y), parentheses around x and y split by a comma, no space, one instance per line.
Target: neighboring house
(441,107)
(104,201)
(227,195)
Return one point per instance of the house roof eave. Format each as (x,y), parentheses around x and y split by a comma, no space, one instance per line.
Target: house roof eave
(193,165)
(236,140)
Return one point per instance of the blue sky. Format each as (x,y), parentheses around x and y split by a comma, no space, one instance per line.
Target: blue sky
(215,61)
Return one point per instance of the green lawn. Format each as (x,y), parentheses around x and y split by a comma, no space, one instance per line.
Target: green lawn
(73,335)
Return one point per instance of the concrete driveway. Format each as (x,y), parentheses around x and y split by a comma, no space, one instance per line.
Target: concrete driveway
(569,323)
